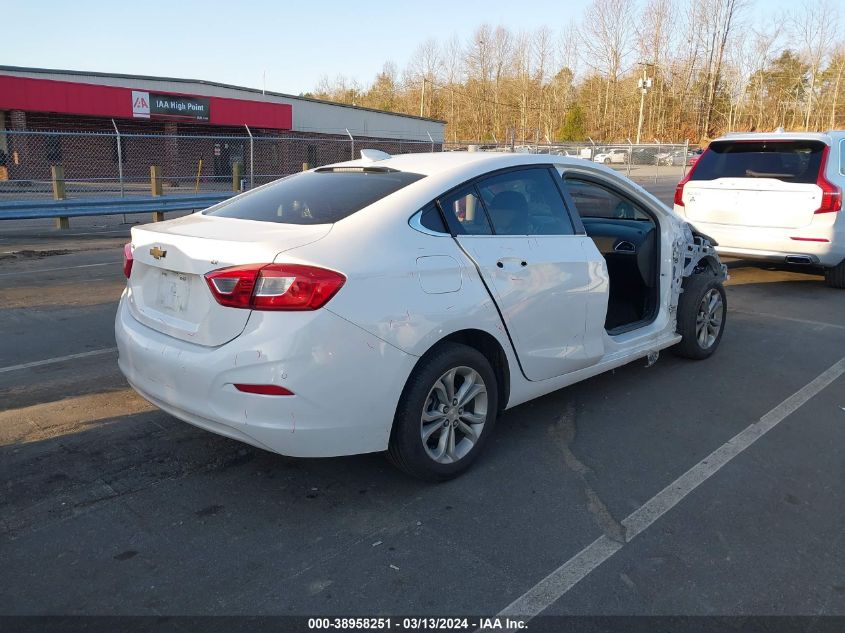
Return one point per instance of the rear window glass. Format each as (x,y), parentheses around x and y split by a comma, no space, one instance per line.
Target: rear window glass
(790,161)
(316,197)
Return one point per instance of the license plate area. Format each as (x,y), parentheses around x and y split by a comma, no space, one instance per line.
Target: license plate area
(173,291)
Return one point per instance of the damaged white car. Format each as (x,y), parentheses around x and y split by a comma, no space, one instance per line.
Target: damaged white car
(401,303)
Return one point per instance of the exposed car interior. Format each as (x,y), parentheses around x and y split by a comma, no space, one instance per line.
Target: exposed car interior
(627,236)
(625,233)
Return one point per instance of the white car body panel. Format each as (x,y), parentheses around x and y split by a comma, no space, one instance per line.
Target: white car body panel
(170,293)
(767,218)
(770,203)
(319,359)
(534,278)
(348,362)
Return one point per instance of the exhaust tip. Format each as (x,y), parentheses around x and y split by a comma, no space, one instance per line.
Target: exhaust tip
(801,259)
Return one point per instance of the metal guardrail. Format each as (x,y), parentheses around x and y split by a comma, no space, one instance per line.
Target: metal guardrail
(78,207)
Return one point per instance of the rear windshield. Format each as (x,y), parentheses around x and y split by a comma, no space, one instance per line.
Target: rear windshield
(790,161)
(315,197)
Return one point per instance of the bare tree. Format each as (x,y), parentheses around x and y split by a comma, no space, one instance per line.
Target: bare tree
(714,69)
(654,42)
(609,42)
(815,25)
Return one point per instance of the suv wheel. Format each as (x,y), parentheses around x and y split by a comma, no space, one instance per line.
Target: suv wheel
(446,413)
(835,277)
(702,310)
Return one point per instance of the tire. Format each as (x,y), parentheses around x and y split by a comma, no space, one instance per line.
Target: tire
(835,277)
(607,161)
(701,334)
(438,458)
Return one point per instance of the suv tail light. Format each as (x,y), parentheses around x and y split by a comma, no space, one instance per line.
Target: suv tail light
(831,194)
(274,286)
(127,260)
(679,190)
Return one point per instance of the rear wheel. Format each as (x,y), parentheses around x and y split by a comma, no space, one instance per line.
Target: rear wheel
(835,277)
(446,413)
(702,310)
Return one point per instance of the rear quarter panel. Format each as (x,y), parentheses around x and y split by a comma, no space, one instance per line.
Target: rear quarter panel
(408,288)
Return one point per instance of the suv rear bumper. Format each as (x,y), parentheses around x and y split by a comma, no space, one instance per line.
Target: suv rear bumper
(770,256)
(775,245)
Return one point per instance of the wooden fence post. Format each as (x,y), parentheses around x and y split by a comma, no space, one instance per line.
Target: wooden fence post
(237,170)
(155,190)
(58,175)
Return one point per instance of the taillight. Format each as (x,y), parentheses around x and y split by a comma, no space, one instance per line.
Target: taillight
(127,260)
(679,190)
(831,194)
(274,286)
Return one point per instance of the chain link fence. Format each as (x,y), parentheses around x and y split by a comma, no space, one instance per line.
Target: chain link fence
(89,164)
(641,162)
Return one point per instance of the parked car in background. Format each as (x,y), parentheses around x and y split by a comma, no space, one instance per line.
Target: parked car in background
(673,158)
(400,303)
(644,156)
(693,156)
(773,197)
(663,156)
(616,155)
(587,153)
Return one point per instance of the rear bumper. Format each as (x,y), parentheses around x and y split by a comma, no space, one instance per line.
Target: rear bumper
(775,245)
(346,382)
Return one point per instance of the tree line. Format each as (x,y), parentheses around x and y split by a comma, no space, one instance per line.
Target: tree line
(706,66)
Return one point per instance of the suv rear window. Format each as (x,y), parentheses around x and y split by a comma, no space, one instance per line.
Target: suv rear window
(315,197)
(789,161)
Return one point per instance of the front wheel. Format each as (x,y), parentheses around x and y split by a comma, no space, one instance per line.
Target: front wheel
(702,311)
(446,413)
(835,277)
(607,161)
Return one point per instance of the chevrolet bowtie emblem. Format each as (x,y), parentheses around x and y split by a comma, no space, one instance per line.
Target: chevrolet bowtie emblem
(156,252)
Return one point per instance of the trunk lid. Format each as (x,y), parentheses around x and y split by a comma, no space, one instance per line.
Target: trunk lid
(167,290)
(770,182)
(762,202)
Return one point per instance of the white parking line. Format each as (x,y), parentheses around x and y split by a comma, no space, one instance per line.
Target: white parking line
(57,359)
(51,270)
(781,317)
(556,584)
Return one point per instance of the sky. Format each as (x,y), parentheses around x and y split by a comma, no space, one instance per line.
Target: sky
(288,45)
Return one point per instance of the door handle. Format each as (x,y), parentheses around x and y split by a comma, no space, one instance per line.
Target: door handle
(508,260)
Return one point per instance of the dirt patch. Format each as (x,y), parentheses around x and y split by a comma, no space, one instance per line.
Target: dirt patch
(33,254)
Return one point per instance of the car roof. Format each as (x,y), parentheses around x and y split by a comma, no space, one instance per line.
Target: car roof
(432,163)
(825,137)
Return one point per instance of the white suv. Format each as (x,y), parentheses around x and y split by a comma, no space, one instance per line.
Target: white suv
(772,196)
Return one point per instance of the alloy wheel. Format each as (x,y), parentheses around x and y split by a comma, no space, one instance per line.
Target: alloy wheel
(708,321)
(454,415)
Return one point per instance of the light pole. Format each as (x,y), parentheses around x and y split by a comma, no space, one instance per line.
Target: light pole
(643,84)
(422,96)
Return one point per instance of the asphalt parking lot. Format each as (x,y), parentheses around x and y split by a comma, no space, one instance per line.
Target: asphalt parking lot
(110,506)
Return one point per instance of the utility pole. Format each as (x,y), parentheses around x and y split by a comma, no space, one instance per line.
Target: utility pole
(643,84)
(422,96)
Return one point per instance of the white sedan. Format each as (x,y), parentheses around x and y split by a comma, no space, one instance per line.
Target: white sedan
(401,303)
(612,156)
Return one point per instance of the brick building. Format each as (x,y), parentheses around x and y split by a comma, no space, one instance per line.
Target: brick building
(88,122)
